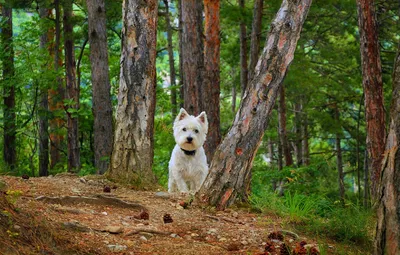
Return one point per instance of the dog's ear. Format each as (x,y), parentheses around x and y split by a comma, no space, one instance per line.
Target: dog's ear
(203,118)
(182,114)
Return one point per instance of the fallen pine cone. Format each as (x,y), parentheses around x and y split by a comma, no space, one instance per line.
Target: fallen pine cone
(285,249)
(167,218)
(300,249)
(314,251)
(270,247)
(107,189)
(25,176)
(144,215)
(276,236)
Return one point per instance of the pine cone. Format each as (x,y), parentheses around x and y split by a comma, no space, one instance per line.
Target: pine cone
(144,215)
(25,176)
(284,250)
(270,247)
(167,218)
(107,189)
(314,251)
(276,236)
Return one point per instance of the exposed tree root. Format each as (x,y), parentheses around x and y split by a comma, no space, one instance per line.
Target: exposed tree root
(146,230)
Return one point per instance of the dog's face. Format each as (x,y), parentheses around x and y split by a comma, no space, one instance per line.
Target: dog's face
(189,131)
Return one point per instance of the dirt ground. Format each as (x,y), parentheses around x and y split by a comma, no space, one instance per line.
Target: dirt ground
(93,221)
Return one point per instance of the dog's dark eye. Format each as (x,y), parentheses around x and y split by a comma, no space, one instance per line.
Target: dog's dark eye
(196,131)
(184,129)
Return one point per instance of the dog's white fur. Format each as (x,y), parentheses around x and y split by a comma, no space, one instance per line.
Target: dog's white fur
(188,172)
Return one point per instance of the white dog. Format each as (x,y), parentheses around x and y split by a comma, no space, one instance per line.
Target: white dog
(188,165)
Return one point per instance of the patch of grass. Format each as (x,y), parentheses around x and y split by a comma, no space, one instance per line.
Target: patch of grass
(299,207)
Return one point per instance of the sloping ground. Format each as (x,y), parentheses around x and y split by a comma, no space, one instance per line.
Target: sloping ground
(67,214)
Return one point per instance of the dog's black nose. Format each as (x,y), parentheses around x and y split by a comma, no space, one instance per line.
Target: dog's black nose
(189,139)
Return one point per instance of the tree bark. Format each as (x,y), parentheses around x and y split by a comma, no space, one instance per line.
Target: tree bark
(339,159)
(255,36)
(192,55)
(44,106)
(132,156)
(234,157)
(72,89)
(9,142)
(172,73)
(366,200)
(304,134)
(282,127)
(180,28)
(211,86)
(298,127)
(373,88)
(102,108)
(56,95)
(387,239)
(243,50)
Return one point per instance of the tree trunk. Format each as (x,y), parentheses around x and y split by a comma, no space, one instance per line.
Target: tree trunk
(304,134)
(243,50)
(211,86)
(366,201)
(44,106)
(172,74)
(9,149)
(387,239)
(234,157)
(233,107)
(373,86)
(180,28)
(282,127)
(132,156)
(298,126)
(72,89)
(255,36)
(192,54)
(56,95)
(358,149)
(339,160)
(102,109)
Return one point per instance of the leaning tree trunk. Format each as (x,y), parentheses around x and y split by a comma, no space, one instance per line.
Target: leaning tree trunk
(172,73)
(7,57)
(373,86)
(234,157)
(243,50)
(132,156)
(211,86)
(192,54)
(44,105)
(387,239)
(102,109)
(72,89)
(255,36)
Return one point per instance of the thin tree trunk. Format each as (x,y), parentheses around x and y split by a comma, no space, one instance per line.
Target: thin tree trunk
(72,89)
(243,50)
(132,157)
(339,160)
(56,95)
(387,239)
(233,107)
(44,106)
(181,88)
(304,134)
(358,149)
(298,127)
(9,145)
(234,157)
(102,108)
(211,86)
(192,54)
(172,74)
(366,201)
(255,36)
(282,127)
(373,88)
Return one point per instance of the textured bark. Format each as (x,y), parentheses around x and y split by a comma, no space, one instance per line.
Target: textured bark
(56,95)
(172,73)
(132,156)
(373,86)
(9,150)
(339,160)
(211,87)
(180,28)
(255,36)
(234,157)
(44,107)
(243,50)
(192,54)
(366,200)
(72,90)
(233,107)
(102,109)
(282,127)
(387,240)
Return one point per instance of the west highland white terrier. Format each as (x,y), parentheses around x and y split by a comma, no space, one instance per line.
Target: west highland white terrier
(188,164)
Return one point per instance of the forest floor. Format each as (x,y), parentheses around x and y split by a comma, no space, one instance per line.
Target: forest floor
(68,214)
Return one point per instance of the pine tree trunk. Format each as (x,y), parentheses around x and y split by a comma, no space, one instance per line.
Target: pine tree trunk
(304,134)
(192,54)
(298,126)
(9,149)
(172,73)
(180,28)
(44,107)
(56,96)
(366,200)
(373,89)
(132,156)
(387,239)
(211,86)
(233,159)
(72,89)
(339,160)
(255,36)
(282,127)
(243,50)
(102,109)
